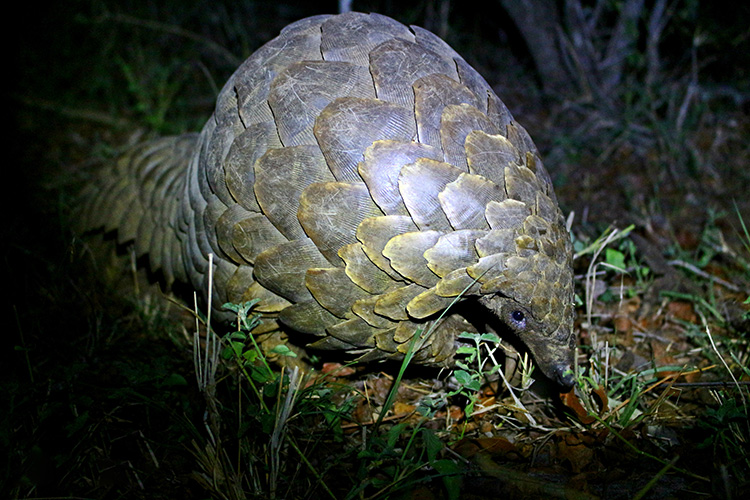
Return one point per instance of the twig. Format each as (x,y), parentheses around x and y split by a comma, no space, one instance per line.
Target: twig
(656,23)
(173,30)
(621,44)
(93,116)
(704,274)
(718,385)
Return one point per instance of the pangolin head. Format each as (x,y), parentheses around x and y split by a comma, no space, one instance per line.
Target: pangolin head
(535,299)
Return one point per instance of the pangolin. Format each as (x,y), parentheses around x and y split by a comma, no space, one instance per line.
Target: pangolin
(365,183)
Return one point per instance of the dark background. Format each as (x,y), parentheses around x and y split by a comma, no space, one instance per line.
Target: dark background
(67,348)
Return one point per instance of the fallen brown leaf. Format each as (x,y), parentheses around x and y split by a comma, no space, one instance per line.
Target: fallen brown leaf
(570,400)
(682,310)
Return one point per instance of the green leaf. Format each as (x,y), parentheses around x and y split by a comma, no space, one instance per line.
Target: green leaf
(267,423)
(231,307)
(283,350)
(78,423)
(462,365)
(271,390)
(490,337)
(227,353)
(467,380)
(174,380)
(393,434)
(615,258)
(451,475)
(432,443)
(260,375)
(468,335)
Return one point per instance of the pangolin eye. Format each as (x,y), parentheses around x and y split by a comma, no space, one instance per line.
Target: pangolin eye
(518,318)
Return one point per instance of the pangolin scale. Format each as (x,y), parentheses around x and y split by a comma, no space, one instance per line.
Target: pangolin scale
(359,178)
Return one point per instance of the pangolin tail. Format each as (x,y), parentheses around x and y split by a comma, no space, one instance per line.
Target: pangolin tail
(138,198)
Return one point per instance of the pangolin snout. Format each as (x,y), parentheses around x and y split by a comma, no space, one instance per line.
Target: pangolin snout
(563,375)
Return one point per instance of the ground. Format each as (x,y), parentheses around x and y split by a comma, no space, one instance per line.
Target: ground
(98,376)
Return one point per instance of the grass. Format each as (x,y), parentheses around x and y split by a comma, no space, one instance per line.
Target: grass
(637,398)
(283,409)
(98,377)
(276,413)
(406,454)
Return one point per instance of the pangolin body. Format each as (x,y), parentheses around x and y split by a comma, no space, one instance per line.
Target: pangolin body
(358,177)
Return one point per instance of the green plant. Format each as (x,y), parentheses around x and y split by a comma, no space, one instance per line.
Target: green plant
(279,403)
(389,469)
(471,371)
(251,360)
(470,377)
(154,90)
(728,433)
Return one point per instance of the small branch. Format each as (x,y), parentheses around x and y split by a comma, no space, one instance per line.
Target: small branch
(704,274)
(621,44)
(92,116)
(712,385)
(345,6)
(173,30)
(656,23)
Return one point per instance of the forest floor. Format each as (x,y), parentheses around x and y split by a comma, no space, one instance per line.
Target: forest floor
(98,378)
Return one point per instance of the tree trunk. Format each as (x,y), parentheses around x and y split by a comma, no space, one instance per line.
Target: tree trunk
(539,22)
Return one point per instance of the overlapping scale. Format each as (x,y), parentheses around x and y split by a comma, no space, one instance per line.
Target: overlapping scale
(507,214)
(224,228)
(331,212)
(382,164)
(351,37)
(521,184)
(457,122)
(333,290)
(355,331)
(432,94)
(406,253)
(349,125)
(214,210)
(464,201)
(413,62)
(456,283)
(252,235)
(420,183)
(281,175)
(496,241)
(239,164)
(428,303)
(487,155)
(519,137)
(308,317)
(238,283)
(375,232)
(303,89)
(362,272)
(393,304)
(365,309)
(453,251)
(282,268)
(252,80)
(434,43)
